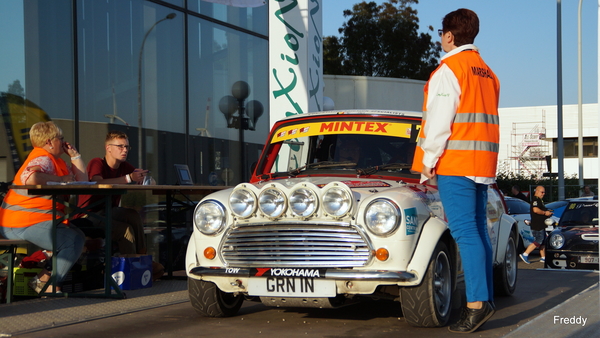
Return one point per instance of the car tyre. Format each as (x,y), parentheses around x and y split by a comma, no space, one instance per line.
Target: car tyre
(429,304)
(521,244)
(505,275)
(209,301)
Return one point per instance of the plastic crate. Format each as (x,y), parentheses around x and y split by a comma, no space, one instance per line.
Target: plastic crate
(20,280)
(73,282)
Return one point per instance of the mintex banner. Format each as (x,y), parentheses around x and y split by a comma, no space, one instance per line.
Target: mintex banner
(343,127)
(295,57)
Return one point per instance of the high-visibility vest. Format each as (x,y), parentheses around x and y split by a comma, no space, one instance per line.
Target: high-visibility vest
(472,148)
(21,210)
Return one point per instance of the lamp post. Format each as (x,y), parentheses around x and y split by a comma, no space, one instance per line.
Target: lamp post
(245,119)
(140,147)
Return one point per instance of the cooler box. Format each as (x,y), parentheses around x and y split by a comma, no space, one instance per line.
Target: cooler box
(132,273)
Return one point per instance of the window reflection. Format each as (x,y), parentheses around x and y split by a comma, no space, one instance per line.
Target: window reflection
(101,50)
(110,40)
(251,18)
(218,57)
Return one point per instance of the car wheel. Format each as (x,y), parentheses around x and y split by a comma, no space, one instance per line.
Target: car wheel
(505,276)
(429,304)
(209,301)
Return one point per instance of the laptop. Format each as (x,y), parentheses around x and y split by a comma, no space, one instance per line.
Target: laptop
(183,174)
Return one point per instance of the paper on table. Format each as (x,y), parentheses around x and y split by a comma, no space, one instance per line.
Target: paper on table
(72,183)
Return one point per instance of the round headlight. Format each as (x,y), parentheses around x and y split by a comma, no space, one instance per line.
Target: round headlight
(242,202)
(272,202)
(337,202)
(303,202)
(209,217)
(382,217)
(556,240)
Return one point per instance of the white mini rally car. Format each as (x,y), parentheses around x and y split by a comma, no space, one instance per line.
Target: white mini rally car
(332,215)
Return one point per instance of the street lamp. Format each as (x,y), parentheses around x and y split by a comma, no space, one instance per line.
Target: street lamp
(245,119)
(168,17)
(114,115)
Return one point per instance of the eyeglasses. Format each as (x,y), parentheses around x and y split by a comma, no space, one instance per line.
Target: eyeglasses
(440,32)
(121,146)
(60,138)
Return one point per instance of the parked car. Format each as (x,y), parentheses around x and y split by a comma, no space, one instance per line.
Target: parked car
(521,212)
(574,243)
(559,206)
(322,224)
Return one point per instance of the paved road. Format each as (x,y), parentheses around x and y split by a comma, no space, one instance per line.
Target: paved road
(538,291)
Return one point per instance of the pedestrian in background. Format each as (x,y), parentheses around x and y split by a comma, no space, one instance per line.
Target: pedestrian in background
(458,144)
(587,191)
(539,213)
(516,191)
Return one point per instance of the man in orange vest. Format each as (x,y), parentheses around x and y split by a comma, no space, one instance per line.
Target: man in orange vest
(458,144)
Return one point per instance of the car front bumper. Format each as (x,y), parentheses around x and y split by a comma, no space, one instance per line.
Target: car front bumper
(564,259)
(336,274)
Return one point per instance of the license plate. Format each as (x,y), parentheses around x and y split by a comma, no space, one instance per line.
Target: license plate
(291,287)
(588,260)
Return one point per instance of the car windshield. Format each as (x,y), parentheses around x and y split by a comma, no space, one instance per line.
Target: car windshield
(356,145)
(517,206)
(579,213)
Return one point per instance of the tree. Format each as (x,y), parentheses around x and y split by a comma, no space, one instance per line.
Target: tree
(16,88)
(381,41)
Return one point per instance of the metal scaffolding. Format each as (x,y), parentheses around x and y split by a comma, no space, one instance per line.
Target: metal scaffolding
(529,148)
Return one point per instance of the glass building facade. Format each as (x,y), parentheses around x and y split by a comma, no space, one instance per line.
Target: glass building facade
(156,70)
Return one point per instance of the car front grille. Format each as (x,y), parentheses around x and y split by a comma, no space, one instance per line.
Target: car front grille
(590,246)
(295,245)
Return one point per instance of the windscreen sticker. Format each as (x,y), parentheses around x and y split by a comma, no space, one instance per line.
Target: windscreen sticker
(343,127)
(412,221)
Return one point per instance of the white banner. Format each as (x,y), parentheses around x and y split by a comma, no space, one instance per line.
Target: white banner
(295,59)
(240,3)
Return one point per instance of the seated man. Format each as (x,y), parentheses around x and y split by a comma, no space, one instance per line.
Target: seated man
(127,229)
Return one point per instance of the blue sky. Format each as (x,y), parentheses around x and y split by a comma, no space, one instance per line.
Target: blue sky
(518,40)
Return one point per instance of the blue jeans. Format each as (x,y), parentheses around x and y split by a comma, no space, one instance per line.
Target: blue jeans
(69,240)
(465,204)
(539,237)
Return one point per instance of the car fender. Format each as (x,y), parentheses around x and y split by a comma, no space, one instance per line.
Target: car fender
(507,224)
(433,230)
(190,256)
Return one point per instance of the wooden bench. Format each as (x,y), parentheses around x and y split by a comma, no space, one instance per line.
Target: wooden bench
(8,252)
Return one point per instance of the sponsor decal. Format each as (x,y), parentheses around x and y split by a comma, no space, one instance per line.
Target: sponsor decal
(583,205)
(361,184)
(412,221)
(287,272)
(402,130)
